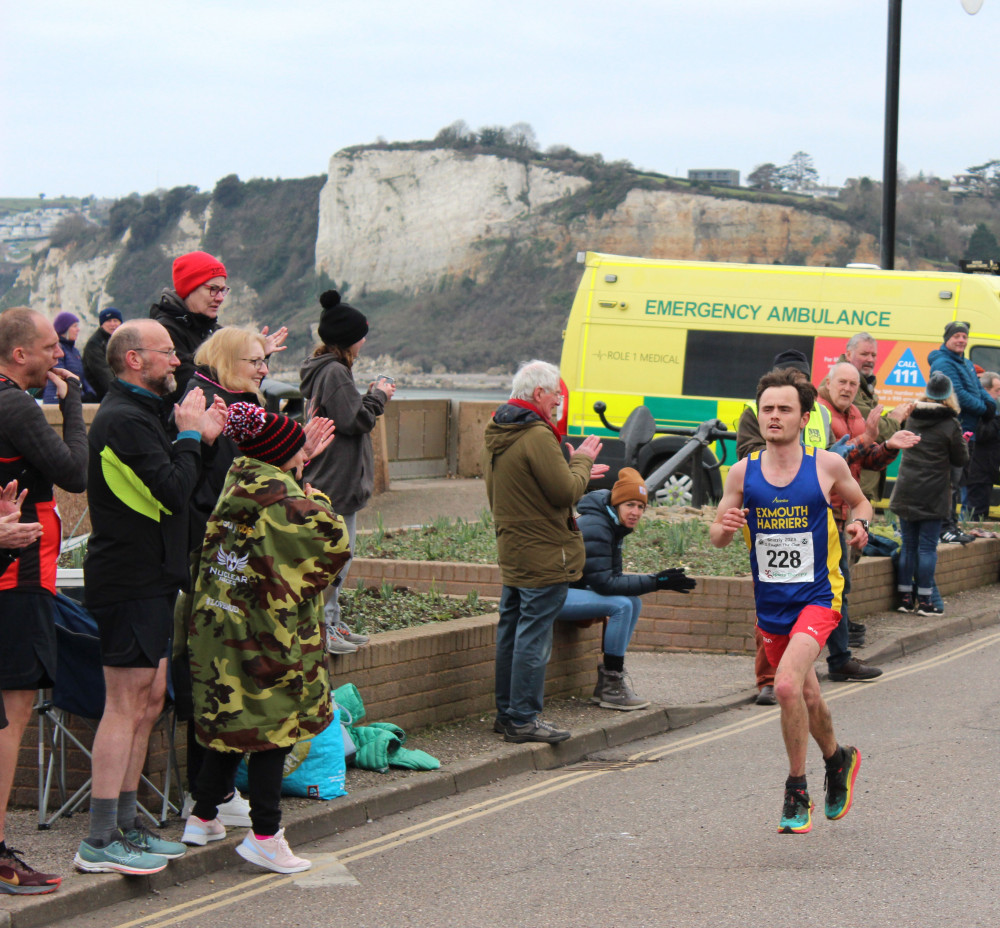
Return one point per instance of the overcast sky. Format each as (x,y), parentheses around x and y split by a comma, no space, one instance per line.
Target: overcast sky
(108,98)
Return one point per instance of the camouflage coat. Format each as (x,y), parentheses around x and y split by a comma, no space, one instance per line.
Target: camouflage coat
(254,630)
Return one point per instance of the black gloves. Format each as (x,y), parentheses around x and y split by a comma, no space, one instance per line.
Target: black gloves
(674,578)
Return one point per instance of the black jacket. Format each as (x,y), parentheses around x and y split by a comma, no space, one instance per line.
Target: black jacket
(923,486)
(187,331)
(139,486)
(32,453)
(95,363)
(216,460)
(603,535)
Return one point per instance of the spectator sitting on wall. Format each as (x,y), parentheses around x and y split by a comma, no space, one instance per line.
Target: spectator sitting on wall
(606,518)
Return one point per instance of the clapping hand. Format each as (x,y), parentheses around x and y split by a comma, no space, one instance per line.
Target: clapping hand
(14,533)
(319,433)
(273,343)
(674,578)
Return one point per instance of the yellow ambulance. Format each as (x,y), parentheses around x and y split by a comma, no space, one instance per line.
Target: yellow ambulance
(690,339)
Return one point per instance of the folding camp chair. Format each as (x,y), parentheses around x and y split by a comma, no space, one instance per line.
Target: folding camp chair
(79,692)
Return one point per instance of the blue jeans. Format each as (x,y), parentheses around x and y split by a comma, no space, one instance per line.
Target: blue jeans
(918,555)
(524,645)
(837,647)
(622,613)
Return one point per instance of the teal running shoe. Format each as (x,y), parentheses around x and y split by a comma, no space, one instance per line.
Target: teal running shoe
(141,837)
(796,814)
(840,784)
(119,856)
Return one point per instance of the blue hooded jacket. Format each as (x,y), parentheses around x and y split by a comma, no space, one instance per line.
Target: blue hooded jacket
(976,403)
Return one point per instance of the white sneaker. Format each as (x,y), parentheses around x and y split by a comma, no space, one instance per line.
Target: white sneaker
(199,833)
(235,813)
(336,643)
(272,853)
(349,636)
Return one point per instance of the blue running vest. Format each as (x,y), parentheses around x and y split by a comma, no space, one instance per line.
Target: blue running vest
(794,545)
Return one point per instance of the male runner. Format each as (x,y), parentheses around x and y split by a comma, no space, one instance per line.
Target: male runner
(780,499)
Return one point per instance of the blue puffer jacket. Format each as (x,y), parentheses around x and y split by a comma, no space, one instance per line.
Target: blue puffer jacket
(976,403)
(603,535)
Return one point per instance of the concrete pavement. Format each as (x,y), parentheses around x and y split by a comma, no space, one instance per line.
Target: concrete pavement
(684,688)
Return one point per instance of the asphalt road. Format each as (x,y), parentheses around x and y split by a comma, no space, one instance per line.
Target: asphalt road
(678,830)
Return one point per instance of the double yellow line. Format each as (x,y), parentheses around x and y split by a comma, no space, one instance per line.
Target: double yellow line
(572,777)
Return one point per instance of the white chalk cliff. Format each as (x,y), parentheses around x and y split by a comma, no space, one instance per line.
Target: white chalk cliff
(401,220)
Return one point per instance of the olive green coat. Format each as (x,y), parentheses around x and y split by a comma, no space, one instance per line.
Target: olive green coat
(532,490)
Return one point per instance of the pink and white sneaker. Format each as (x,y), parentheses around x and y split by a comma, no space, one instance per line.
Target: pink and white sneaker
(272,853)
(197,832)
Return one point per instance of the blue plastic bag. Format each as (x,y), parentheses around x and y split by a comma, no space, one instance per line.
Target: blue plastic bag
(314,769)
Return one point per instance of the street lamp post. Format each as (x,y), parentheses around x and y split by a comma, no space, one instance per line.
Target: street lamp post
(889,160)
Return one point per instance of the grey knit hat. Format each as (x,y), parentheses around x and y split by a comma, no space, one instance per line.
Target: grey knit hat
(939,387)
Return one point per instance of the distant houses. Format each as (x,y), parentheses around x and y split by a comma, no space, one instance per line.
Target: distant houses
(32,224)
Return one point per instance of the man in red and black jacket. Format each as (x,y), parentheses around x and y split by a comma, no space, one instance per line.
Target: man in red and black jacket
(33,454)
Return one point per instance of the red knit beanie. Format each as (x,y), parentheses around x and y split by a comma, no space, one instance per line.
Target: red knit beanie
(267,436)
(194,269)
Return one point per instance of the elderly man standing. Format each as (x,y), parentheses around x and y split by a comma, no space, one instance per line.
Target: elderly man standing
(37,458)
(862,352)
(540,550)
(140,486)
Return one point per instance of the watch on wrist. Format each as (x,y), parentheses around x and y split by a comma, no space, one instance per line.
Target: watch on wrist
(864,523)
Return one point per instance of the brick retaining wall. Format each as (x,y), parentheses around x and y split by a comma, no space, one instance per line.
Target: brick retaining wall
(443,672)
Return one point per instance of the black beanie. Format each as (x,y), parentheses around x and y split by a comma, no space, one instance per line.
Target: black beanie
(792,358)
(340,325)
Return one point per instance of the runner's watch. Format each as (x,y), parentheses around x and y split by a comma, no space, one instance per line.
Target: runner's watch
(864,523)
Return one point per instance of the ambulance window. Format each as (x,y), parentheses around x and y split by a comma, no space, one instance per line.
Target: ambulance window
(729,364)
(987,357)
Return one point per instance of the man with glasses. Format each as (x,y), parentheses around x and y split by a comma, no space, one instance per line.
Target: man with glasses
(140,485)
(189,312)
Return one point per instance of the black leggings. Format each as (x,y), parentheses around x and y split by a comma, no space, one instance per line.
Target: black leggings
(264,773)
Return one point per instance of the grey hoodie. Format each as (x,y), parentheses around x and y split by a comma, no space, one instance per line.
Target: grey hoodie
(345,471)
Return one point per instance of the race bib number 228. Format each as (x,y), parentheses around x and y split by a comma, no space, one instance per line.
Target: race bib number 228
(784,558)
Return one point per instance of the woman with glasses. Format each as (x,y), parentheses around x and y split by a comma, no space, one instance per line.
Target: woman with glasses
(189,311)
(231,364)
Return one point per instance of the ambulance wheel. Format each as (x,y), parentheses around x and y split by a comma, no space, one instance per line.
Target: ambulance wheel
(676,491)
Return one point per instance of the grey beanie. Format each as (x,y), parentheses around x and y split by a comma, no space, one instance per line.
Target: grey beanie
(952,327)
(938,387)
